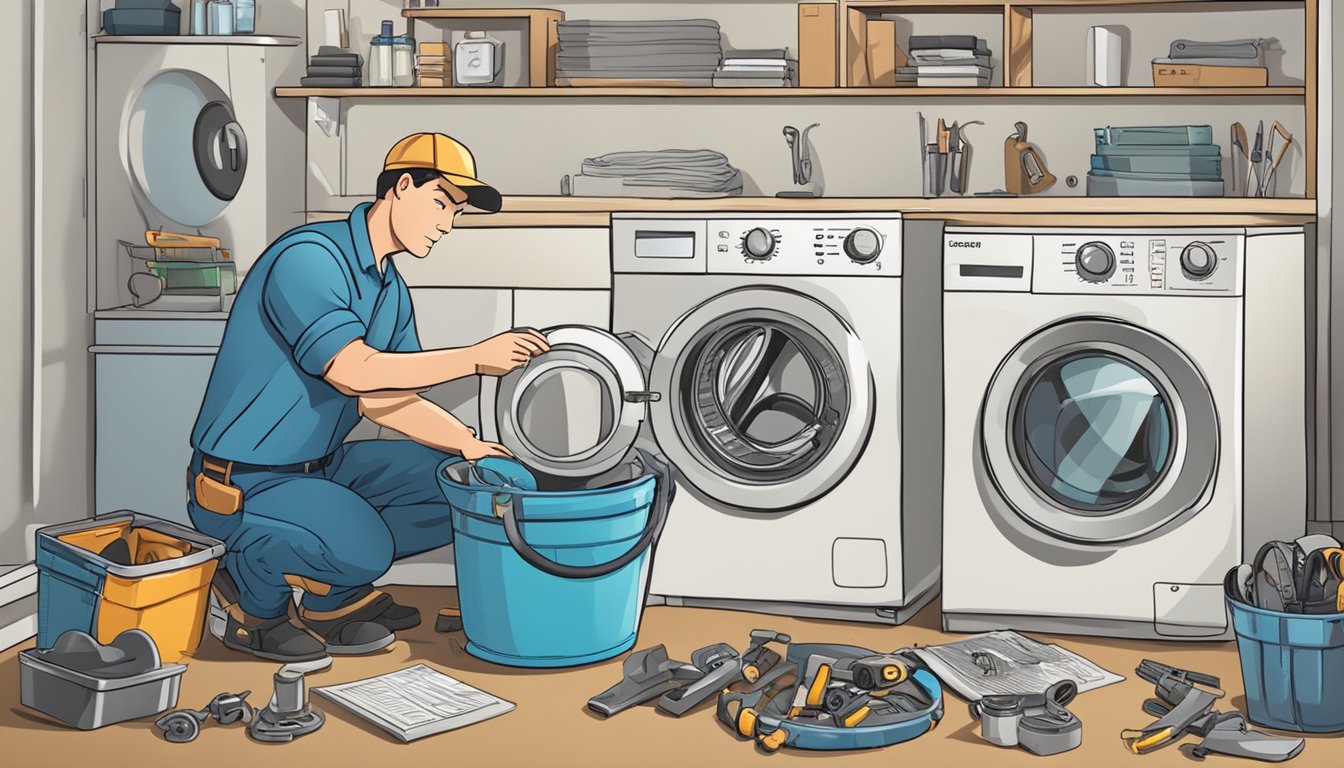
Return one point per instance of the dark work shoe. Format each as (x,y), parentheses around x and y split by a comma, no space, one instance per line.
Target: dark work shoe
(349,636)
(394,615)
(275,639)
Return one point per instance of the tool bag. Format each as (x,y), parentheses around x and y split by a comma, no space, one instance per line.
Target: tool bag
(812,701)
(1284,577)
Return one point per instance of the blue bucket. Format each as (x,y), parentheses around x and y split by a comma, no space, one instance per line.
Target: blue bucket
(554,578)
(1292,665)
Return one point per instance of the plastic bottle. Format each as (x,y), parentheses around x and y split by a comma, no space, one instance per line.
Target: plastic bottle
(245,17)
(221,17)
(199,14)
(380,57)
(403,60)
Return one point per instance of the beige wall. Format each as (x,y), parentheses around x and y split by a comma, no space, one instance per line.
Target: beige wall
(47,178)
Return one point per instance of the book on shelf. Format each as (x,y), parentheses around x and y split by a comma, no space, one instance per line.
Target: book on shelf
(1144,135)
(921,59)
(946,71)
(952,82)
(330,82)
(320,71)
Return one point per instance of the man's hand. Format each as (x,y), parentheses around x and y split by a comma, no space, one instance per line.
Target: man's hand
(479,449)
(500,354)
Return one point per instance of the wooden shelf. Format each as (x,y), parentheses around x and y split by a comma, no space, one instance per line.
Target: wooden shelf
(954,5)
(477,13)
(1295,92)
(562,211)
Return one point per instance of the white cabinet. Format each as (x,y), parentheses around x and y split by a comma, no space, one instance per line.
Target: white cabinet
(147,396)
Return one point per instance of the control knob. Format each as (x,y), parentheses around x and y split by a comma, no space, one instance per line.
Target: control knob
(758,244)
(1198,261)
(863,245)
(1095,262)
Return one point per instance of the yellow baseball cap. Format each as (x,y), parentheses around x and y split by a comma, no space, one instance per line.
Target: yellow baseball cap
(449,157)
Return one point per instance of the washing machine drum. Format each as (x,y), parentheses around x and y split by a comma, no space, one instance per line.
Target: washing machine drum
(184,148)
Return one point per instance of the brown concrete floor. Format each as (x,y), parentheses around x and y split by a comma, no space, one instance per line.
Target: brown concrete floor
(552,727)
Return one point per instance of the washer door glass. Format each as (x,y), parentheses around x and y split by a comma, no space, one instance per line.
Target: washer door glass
(184,148)
(576,410)
(769,398)
(1100,431)
(1094,432)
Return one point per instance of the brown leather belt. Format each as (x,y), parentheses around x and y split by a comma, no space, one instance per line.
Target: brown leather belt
(224,468)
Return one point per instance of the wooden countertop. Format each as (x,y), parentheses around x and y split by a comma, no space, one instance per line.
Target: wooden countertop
(552,726)
(563,211)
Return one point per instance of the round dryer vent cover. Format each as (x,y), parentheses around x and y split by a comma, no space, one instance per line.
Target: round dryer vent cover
(185,151)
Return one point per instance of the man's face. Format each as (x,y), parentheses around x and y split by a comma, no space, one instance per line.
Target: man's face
(421,215)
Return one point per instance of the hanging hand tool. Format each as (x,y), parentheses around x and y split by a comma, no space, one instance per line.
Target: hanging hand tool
(1024,170)
(1257,155)
(1242,148)
(1267,184)
(960,156)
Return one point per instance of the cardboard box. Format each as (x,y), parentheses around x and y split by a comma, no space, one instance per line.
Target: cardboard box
(818,41)
(434,82)
(1209,76)
(435,49)
(856,49)
(884,54)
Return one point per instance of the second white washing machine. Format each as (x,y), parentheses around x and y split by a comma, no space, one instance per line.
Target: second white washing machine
(1125,420)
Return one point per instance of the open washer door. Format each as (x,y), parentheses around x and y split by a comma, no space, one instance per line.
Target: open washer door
(576,410)
(768,398)
(1098,431)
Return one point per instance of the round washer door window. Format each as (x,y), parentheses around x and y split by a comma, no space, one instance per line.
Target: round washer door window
(184,148)
(576,410)
(768,398)
(1100,431)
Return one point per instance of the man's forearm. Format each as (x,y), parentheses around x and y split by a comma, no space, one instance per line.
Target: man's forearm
(361,368)
(420,420)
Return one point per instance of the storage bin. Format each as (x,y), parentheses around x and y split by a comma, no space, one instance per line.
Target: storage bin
(85,701)
(1292,665)
(554,578)
(166,596)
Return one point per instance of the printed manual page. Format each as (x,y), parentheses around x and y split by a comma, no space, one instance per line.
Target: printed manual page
(416,701)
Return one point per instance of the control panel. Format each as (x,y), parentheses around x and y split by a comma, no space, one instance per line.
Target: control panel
(1186,262)
(765,244)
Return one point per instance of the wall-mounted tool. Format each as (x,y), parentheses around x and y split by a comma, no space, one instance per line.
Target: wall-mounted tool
(1257,155)
(1241,154)
(802,161)
(1272,160)
(960,157)
(1024,169)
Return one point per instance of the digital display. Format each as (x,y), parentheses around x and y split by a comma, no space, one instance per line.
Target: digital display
(664,245)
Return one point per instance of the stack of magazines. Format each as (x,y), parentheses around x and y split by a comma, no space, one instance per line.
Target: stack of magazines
(1156,161)
(946,61)
(763,68)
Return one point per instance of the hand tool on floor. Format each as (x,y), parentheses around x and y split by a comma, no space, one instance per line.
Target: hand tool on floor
(288,714)
(1040,723)
(1267,184)
(720,666)
(645,676)
(1184,706)
(1241,149)
(1257,154)
(184,725)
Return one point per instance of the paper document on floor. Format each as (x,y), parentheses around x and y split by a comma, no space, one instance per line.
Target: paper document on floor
(1007,663)
(416,701)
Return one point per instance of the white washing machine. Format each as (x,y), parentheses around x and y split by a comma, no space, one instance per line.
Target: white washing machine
(763,357)
(1125,419)
(189,137)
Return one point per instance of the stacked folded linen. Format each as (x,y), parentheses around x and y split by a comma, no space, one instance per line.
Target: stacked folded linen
(659,173)
(670,51)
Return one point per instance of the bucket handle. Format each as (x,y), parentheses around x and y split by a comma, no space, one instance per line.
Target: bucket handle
(662,498)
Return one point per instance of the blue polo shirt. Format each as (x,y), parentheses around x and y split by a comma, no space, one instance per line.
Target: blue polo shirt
(312,292)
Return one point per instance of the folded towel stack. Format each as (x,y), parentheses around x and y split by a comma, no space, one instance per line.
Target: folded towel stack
(758,68)
(944,61)
(659,52)
(333,67)
(697,173)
